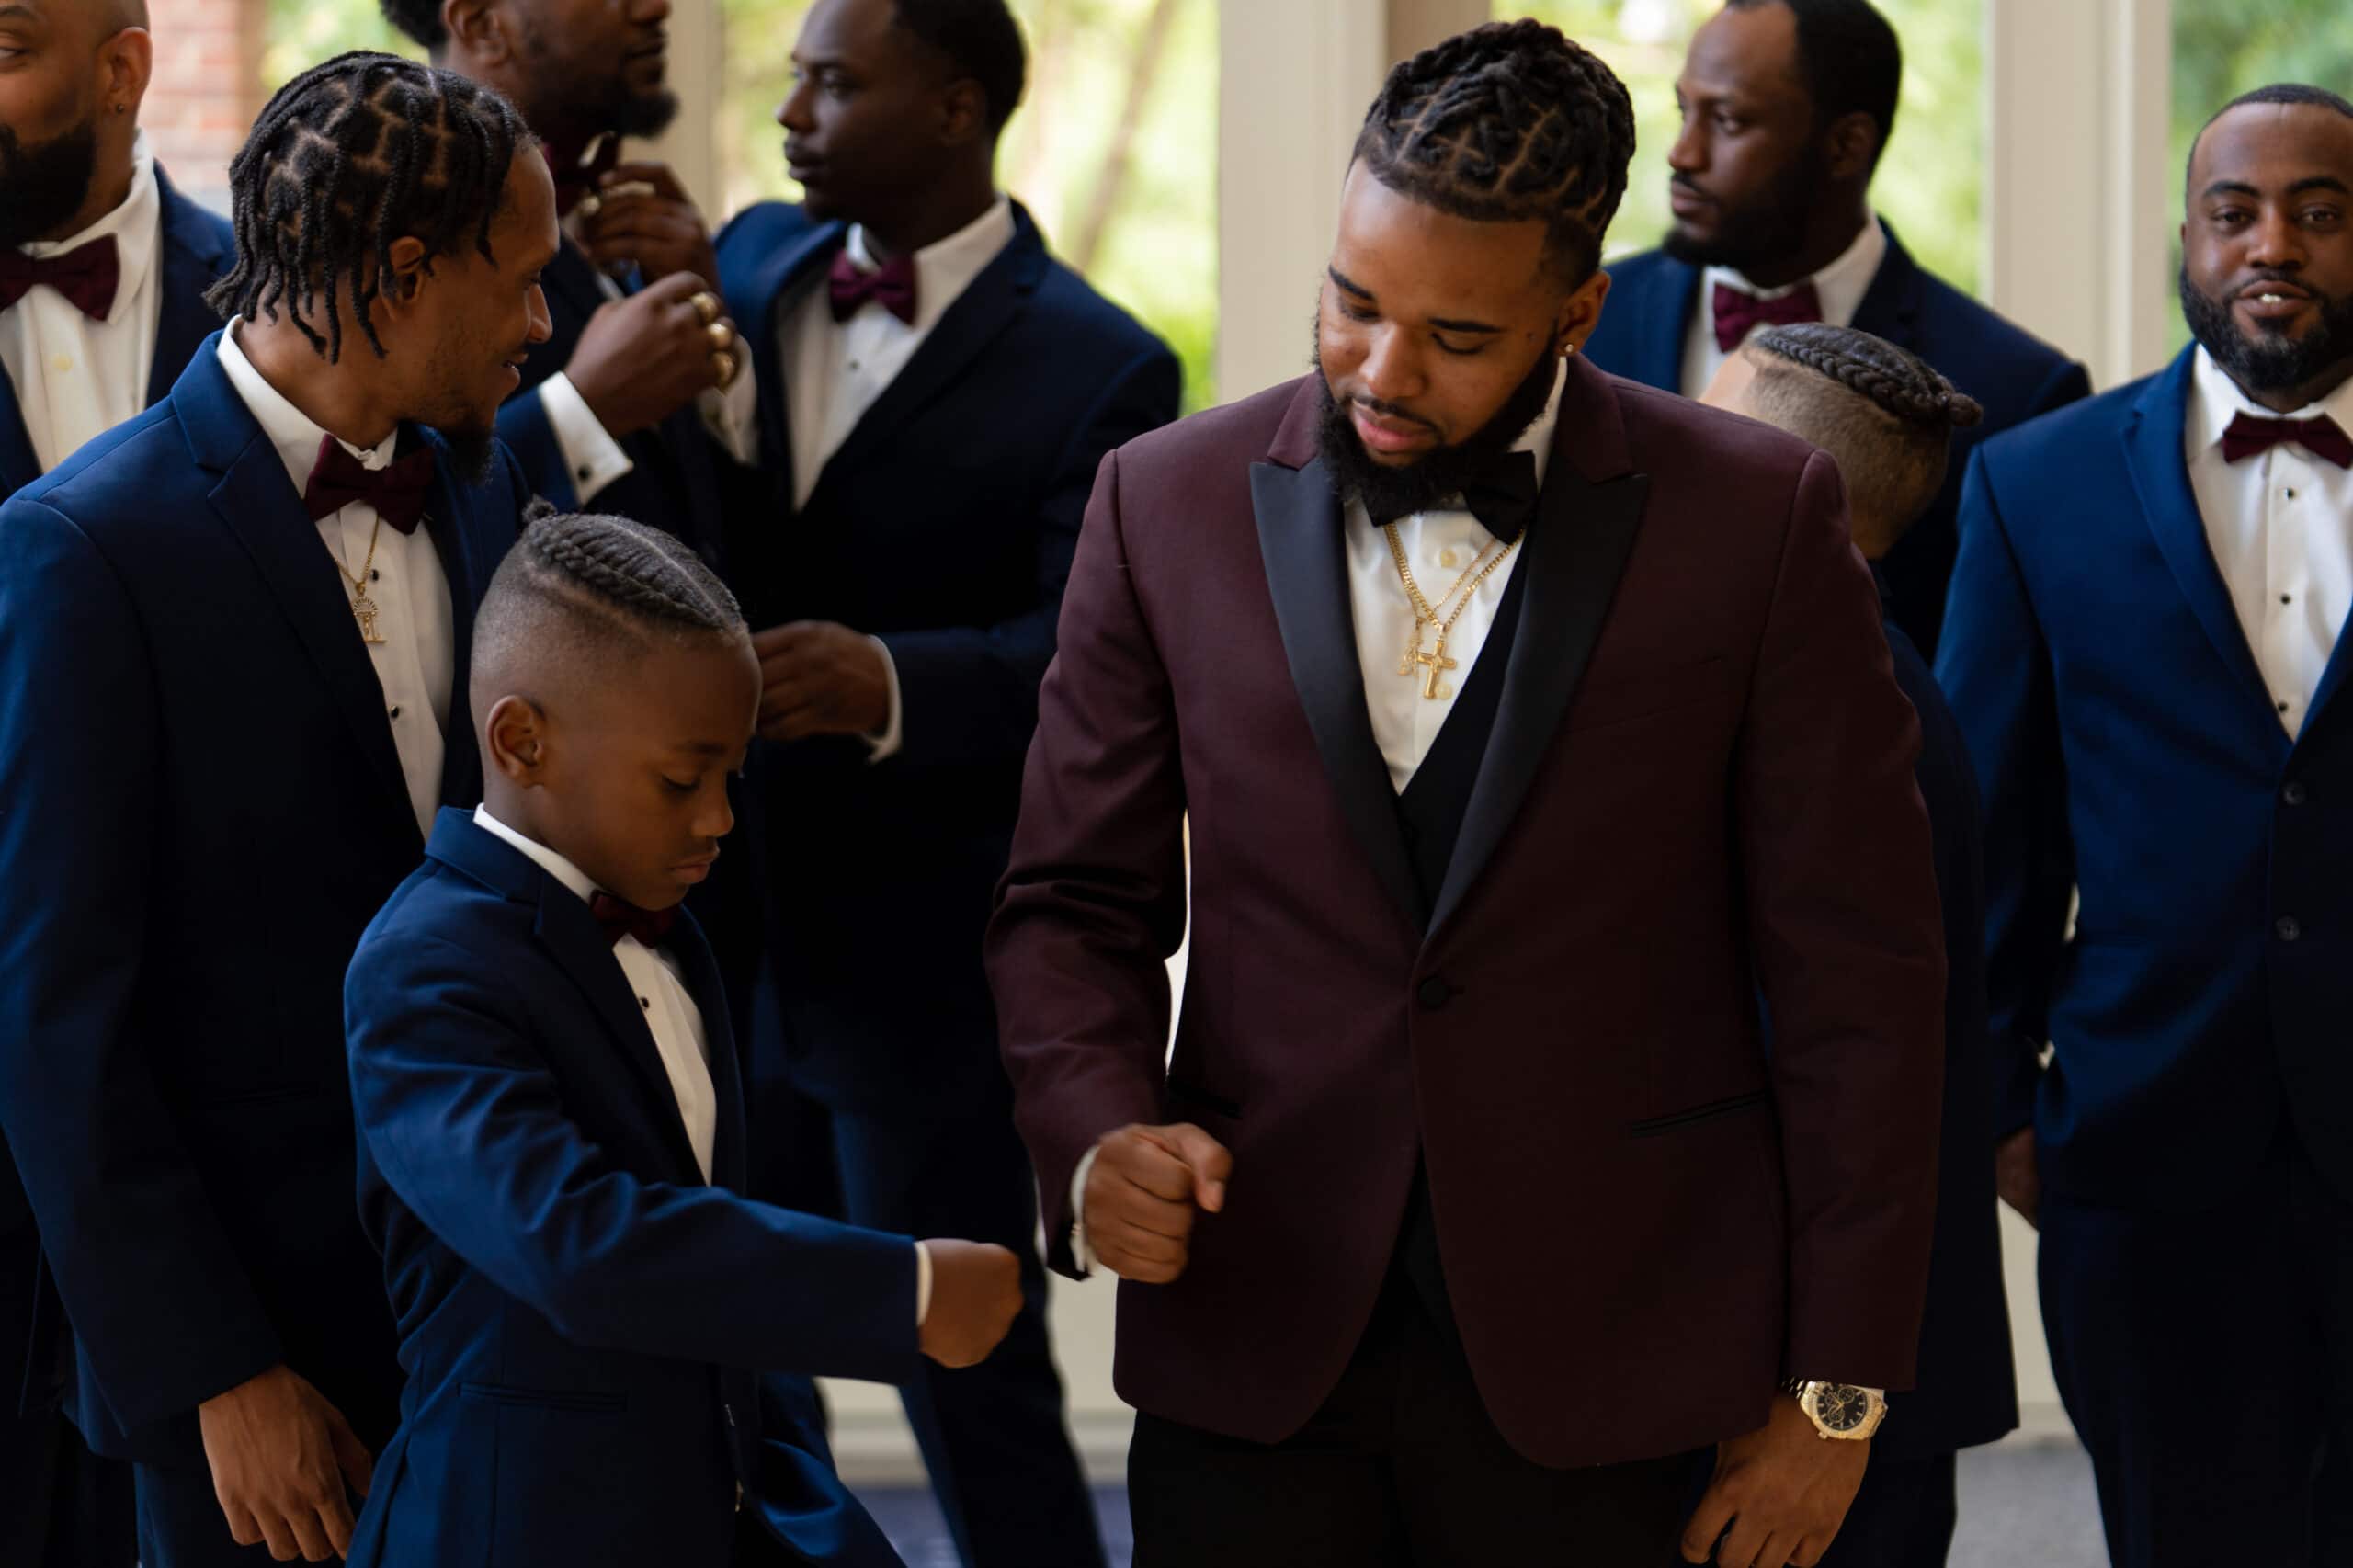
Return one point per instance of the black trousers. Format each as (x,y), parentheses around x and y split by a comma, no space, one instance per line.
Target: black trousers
(1401,1469)
(61,1506)
(1904,1516)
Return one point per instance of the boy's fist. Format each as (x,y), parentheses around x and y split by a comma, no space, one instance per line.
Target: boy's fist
(976,1296)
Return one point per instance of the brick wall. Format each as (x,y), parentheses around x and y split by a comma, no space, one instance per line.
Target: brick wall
(207,89)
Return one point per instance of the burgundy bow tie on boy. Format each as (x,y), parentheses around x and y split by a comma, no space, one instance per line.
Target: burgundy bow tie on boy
(1737,311)
(622,918)
(2321,436)
(397,490)
(892,285)
(86,275)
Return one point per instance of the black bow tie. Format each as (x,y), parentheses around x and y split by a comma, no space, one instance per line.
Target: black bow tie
(622,918)
(1502,497)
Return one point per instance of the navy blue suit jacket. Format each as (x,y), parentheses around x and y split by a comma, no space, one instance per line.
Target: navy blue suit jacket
(580,1314)
(204,807)
(945,525)
(2014,375)
(2129,748)
(1967,1389)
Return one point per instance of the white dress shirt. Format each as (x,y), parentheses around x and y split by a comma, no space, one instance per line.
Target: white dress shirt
(1840,287)
(416,661)
(2280,527)
(1441,545)
(75,378)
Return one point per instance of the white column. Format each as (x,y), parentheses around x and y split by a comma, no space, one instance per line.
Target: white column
(691,144)
(2081,203)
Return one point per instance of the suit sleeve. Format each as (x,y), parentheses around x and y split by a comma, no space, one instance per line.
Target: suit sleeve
(467,1125)
(971,693)
(164,1313)
(1849,942)
(1093,903)
(1995,670)
(800,1499)
(530,434)
(2069,384)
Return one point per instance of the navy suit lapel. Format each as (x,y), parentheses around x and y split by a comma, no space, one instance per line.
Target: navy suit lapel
(18,467)
(2153,453)
(1663,318)
(699,967)
(759,297)
(1890,306)
(1305,553)
(192,258)
(572,276)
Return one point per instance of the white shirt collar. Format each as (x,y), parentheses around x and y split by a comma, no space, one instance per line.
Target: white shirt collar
(292,432)
(136,224)
(548,860)
(2216,399)
(1538,437)
(1840,286)
(945,269)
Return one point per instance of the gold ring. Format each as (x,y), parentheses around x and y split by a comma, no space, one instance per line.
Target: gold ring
(721,335)
(590,205)
(706,304)
(723,361)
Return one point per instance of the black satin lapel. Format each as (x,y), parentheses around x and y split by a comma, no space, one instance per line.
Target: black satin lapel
(1307,574)
(1576,550)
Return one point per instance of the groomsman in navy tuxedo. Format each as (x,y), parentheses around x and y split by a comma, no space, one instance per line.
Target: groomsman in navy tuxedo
(2145,650)
(1786,106)
(936,393)
(233,654)
(103,269)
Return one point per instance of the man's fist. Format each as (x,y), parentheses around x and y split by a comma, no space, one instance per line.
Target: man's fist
(643,216)
(643,358)
(1142,1191)
(817,678)
(976,1296)
(1778,1495)
(281,1457)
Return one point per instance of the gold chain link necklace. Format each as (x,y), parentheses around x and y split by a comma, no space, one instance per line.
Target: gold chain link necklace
(1427,614)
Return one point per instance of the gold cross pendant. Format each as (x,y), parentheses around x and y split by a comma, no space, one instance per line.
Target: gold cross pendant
(364,611)
(1437,663)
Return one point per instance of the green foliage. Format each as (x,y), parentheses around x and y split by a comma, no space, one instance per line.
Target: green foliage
(302,33)
(1931,182)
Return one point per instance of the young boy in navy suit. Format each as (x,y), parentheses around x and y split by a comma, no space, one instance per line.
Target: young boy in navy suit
(551,1129)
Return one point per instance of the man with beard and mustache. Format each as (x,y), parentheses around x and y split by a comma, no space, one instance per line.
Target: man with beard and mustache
(1787,108)
(103,269)
(2144,650)
(232,657)
(1529,724)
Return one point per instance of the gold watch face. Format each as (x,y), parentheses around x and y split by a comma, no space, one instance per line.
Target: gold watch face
(1841,1407)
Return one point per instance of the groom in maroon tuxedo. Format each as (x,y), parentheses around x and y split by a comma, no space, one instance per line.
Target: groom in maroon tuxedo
(1532,726)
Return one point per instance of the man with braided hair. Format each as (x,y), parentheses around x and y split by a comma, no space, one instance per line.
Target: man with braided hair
(232,644)
(1888,420)
(1528,725)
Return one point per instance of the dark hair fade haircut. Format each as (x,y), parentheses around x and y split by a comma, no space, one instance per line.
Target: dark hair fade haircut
(420,19)
(1850,58)
(2286,95)
(610,577)
(979,38)
(1883,412)
(1509,122)
(348,157)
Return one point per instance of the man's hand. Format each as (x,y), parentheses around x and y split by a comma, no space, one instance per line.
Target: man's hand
(1783,1491)
(281,1457)
(1143,1192)
(2016,1178)
(817,678)
(643,358)
(976,1296)
(657,229)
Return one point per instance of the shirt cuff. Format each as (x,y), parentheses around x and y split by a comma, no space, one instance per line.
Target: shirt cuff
(592,458)
(884,743)
(923,1284)
(1081,1255)
(732,412)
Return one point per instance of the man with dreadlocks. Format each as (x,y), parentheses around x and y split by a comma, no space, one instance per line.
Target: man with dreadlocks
(231,635)
(1529,724)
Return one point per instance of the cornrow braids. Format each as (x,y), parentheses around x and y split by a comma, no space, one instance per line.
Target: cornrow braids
(1508,123)
(619,572)
(348,157)
(1898,383)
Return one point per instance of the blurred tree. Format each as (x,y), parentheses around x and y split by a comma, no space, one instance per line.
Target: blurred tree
(302,33)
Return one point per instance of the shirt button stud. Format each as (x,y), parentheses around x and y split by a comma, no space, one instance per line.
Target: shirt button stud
(1434,993)
(1446,558)
(2295,793)
(395,714)
(582,474)
(62,363)
(2290,928)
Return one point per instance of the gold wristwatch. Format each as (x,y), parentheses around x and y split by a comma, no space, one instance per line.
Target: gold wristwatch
(1840,1412)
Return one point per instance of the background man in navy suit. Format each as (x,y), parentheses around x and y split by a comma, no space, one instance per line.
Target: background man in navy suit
(1888,420)
(233,644)
(936,395)
(1786,106)
(103,269)
(2146,652)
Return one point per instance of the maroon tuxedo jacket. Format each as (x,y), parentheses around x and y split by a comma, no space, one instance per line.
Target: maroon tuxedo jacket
(1698,790)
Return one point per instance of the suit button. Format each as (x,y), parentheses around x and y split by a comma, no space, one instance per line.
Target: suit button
(1434,993)
(2295,793)
(729,1411)
(2290,929)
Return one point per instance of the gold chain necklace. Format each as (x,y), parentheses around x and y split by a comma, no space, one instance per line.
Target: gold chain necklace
(1426,614)
(363,608)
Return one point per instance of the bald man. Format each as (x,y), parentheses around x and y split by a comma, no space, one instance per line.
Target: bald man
(103,269)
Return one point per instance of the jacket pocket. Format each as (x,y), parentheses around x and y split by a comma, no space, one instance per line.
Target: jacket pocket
(542,1399)
(1697,1114)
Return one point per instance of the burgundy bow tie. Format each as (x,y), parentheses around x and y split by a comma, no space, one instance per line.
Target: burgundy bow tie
(893,284)
(2321,436)
(88,274)
(622,918)
(575,180)
(1737,311)
(397,490)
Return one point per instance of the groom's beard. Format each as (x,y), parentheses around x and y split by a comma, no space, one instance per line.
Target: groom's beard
(1421,484)
(43,185)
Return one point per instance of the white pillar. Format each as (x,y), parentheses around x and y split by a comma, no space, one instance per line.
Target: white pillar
(691,144)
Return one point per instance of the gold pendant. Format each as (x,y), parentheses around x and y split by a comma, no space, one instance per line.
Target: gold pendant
(1437,662)
(364,611)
